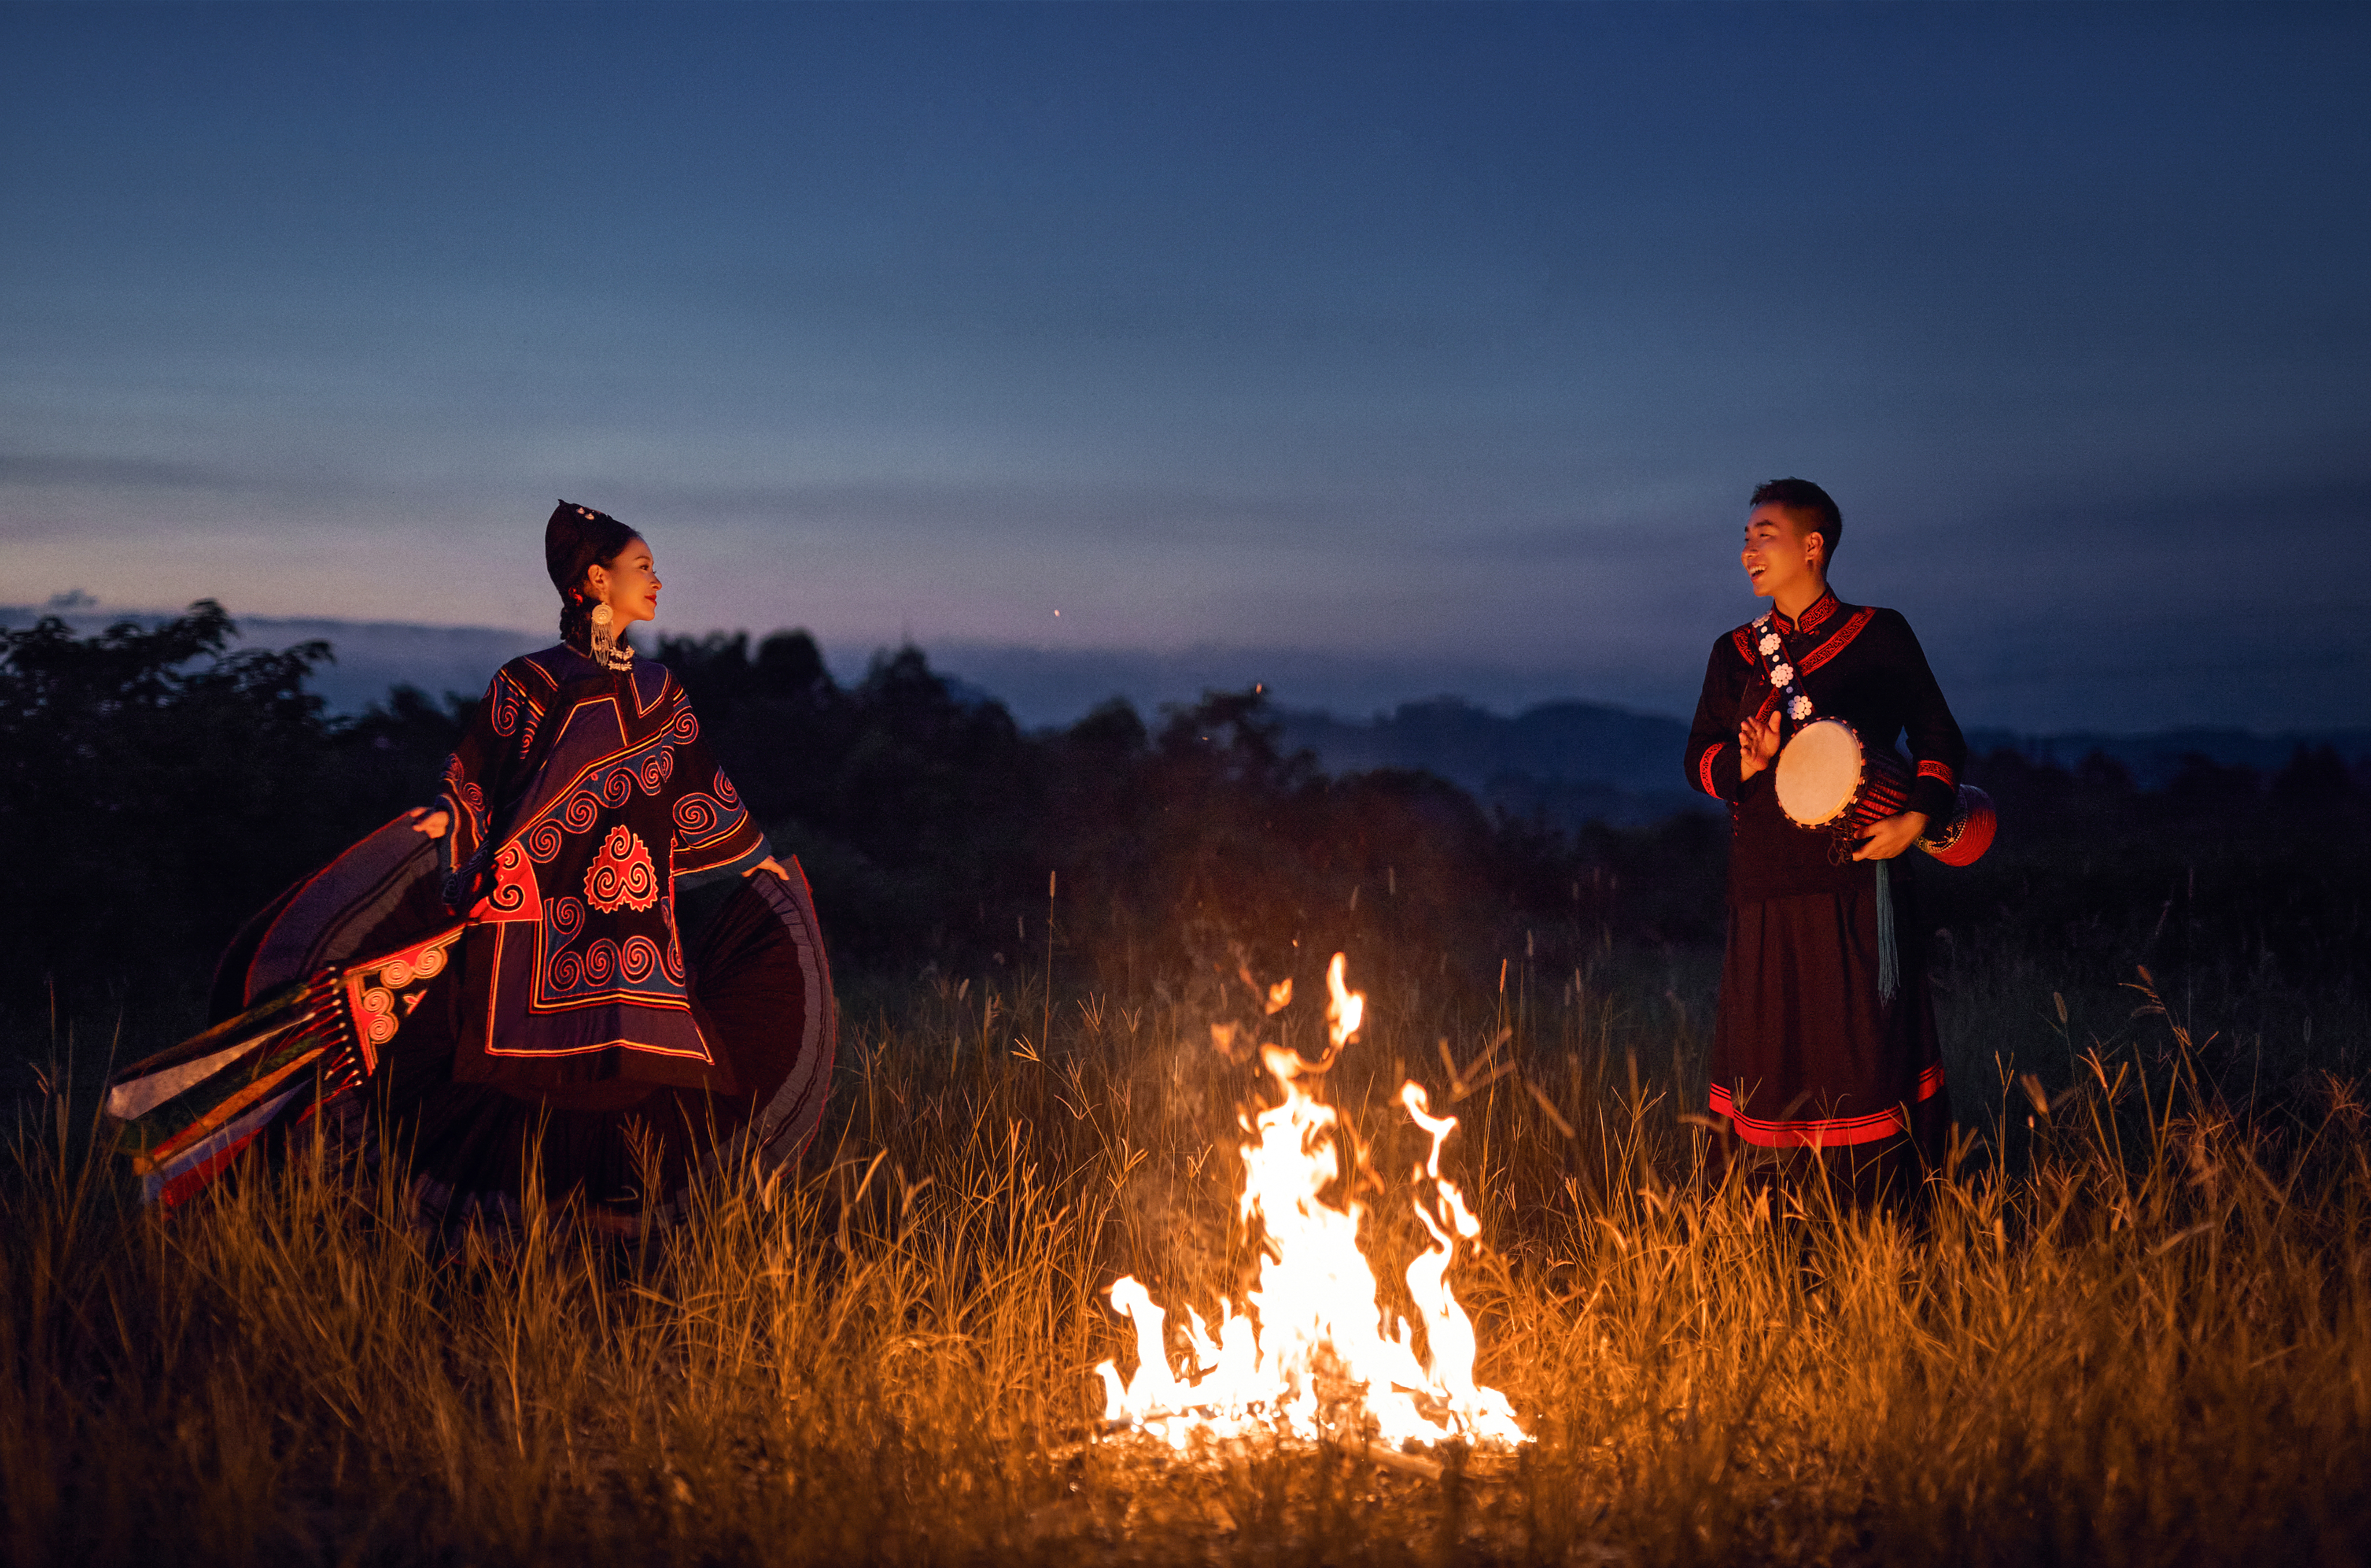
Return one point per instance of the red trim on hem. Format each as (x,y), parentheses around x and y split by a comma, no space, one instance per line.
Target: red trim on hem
(1827,1132)
(1939,771)
(1703,768)
(531,1053)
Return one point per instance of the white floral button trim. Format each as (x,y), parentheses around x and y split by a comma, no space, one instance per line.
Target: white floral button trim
(1783,675)
(1799,710)
(1770,642)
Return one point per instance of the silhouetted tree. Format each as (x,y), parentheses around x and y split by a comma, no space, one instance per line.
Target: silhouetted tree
(2314,780)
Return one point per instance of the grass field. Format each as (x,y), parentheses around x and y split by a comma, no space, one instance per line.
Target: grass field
(2134,1326)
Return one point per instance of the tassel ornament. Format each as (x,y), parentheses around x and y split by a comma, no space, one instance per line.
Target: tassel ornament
(1889,954)
(607,650)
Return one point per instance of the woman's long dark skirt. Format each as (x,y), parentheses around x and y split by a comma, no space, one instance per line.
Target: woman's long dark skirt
(763,1003)
(760,987)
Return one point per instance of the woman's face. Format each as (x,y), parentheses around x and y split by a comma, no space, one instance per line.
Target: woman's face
(629,585)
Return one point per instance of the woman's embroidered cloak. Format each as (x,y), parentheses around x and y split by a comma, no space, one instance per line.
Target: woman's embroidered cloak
(579,797)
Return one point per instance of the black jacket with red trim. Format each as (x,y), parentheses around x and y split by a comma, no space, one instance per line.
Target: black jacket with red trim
(1856,664)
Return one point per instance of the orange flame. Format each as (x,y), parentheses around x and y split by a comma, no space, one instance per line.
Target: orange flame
(1311,1349)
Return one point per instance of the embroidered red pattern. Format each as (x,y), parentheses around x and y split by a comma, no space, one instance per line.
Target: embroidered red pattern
(1939,771)
(1818,612)
(621,875)
(1703,767)
(515,897)
(1836,645)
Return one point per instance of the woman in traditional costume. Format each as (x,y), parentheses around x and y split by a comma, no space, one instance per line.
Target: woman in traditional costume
(583,970)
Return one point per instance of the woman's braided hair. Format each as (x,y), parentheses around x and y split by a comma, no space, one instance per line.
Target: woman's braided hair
(576,540)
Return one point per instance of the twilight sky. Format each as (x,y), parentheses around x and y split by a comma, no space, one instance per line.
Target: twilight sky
(1386,349)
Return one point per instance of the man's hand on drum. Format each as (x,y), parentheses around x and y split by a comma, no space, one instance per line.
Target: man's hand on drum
(1890,836)
(433,823)
(1757,745)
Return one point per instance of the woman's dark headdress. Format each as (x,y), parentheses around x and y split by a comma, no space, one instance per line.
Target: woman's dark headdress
(577,539)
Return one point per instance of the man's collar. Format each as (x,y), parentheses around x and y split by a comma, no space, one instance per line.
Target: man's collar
(1815,615)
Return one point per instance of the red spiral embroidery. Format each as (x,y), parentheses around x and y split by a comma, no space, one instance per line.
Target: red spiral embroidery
(621,875)
(695,816)
(725,792)
(600,962)
(506,705)
(507,893)
(567,917)
(583,810)
(543,840)
(637,959)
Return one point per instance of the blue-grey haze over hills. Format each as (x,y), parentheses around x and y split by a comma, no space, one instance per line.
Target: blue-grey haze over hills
(1373,351)
(1572,760)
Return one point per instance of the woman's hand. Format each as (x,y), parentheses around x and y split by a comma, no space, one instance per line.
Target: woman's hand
(433,823)
(1889,837)
(768,864)
(1757,745)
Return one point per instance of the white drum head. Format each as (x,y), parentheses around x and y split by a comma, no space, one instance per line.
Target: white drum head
(1819,772)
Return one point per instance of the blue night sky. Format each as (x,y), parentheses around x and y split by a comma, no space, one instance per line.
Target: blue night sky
(1389,350)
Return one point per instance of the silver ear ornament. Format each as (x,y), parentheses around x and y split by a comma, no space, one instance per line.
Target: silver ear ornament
(607,650)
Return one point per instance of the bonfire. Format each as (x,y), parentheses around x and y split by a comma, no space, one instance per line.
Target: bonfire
(1313,1355)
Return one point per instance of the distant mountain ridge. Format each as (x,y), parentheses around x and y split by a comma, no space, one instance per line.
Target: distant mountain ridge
(1570,760)
(371,656)
(1573,760)
(2153,758)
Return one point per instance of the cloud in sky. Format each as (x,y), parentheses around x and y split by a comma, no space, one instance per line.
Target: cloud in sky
(1449,340)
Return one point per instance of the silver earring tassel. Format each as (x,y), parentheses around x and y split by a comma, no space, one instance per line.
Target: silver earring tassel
(606,650)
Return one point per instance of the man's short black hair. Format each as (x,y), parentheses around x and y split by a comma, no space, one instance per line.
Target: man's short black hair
(1803,496)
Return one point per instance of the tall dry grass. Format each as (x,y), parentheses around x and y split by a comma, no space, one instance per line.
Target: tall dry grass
(2137,1330)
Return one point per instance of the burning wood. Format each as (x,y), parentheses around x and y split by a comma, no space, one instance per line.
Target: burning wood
(1309,1357)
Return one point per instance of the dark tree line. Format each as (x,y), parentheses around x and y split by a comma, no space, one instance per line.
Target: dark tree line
(158,785)
(934,828)
(161,785)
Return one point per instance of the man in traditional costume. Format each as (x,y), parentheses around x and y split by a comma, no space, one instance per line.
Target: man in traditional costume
(1825,1038)
(583,969)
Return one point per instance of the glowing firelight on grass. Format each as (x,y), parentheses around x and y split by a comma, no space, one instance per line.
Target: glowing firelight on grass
(1309,1357)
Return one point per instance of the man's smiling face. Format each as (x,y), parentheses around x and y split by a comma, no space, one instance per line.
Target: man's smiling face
(1779,554)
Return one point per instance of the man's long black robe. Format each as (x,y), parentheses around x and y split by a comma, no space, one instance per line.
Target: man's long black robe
(1807,1052)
